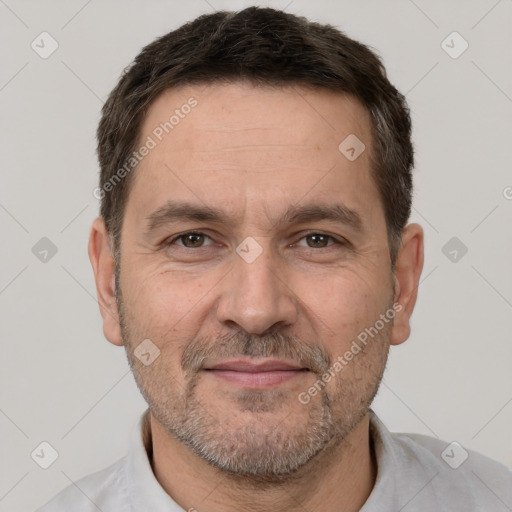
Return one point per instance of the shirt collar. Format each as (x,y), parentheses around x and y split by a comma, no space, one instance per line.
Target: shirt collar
(383,497)
(145,492)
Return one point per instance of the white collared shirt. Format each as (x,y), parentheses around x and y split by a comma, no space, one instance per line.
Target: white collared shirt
(415,473)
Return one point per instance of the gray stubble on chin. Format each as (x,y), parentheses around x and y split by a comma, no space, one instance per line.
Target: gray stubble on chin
(260,448)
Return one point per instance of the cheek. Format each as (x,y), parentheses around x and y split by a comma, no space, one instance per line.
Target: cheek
(342,306)
(167,294)
(167,308)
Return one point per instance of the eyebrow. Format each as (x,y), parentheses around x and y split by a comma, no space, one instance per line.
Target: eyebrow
(173,211)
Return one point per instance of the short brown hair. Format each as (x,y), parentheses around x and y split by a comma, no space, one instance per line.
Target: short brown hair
(266,47)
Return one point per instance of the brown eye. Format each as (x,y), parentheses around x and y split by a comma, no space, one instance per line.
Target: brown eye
(191,240)
(317,240)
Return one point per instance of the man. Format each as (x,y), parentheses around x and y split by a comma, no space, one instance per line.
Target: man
(254,259)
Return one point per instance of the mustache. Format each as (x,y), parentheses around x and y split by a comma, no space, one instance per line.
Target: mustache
(273,345)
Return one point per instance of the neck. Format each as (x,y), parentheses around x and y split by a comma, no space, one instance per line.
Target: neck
(340,477)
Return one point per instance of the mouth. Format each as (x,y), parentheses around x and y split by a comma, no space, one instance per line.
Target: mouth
(255,374)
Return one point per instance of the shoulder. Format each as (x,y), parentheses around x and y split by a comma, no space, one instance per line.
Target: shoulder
(450,455)
(418,473)
(456,471)
(104,490)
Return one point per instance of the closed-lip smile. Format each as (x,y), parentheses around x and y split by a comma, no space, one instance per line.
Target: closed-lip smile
(255,373)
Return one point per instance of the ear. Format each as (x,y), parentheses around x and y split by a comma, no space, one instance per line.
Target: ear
(102,263)
(409,265)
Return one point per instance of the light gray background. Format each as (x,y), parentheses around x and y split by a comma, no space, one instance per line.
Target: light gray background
(63,383)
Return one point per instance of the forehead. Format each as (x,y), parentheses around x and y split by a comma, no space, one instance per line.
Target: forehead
(226,113)
(254,144)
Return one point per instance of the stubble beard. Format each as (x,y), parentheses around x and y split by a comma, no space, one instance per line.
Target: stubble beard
(260,450)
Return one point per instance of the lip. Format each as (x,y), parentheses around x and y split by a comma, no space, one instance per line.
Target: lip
(243,365)
(255,375)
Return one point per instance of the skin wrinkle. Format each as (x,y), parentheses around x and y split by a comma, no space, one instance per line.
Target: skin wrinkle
(256,147)
(296,303)
(173,212)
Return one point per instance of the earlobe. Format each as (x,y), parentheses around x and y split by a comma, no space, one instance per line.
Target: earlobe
(408,269)
(102,262)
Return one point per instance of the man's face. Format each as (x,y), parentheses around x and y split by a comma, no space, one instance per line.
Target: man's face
(258,302)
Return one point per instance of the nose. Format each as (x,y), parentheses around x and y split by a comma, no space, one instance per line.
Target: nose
(257,296)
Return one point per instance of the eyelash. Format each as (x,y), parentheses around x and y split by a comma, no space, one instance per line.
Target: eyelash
(171,241)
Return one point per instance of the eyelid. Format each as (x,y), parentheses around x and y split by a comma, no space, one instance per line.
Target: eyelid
(171,240)
(174,238)
(335,239)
